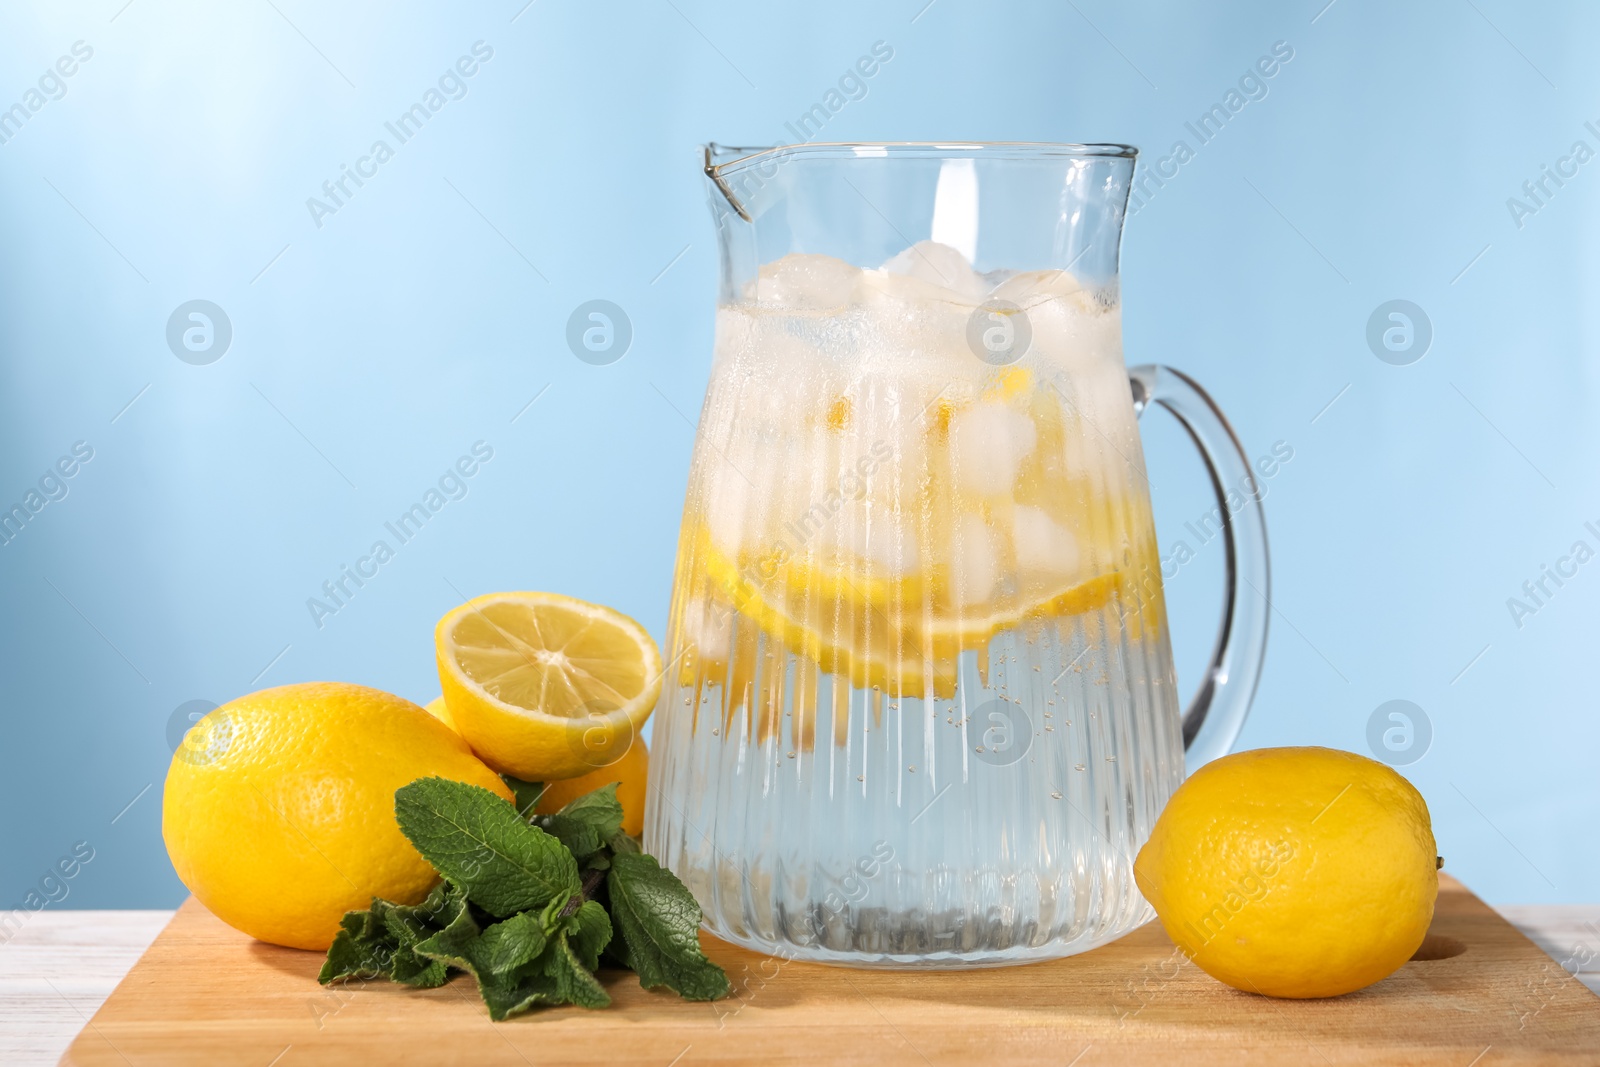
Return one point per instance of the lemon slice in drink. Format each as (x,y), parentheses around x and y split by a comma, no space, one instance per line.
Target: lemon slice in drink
(544,686)
(901,648)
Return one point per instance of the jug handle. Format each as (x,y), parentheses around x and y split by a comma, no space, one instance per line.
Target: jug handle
(1213,719)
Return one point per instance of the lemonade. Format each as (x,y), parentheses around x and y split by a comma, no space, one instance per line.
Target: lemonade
(907,566)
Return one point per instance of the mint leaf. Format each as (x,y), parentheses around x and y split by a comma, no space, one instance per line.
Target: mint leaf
(382,940)
(587,824)
(580,838)
(408,925)
(405,932)
(527,794)
(660,924)
(542,957)
(555,976)
(360,925)
(456,945)
(599,810)
(575,983)
(361,949)
(505,946)
(512,994)
(509,959)
(436,909)
(477,840)
(588,931)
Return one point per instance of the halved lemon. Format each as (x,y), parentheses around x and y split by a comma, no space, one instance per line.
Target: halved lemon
(544,686)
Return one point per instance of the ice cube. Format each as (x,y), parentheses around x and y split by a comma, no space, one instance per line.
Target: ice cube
(730,504)
(806,281)
(895,465)
(1073,332)
(709,629)
(1041,543)
(889,545)
(1031,288)
(941,266)
(864,535)
(865,541)
(988,443)
(977,565)
(1094,393)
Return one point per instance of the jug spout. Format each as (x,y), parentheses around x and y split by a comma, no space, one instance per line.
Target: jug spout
(718,156)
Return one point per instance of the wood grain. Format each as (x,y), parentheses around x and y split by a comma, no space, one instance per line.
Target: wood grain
(206,995)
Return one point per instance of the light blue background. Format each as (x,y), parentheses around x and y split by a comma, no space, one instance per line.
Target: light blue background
(428,311)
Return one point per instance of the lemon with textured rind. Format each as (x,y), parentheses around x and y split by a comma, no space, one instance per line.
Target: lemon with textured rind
(1293,872)
(284,820)
(544,686)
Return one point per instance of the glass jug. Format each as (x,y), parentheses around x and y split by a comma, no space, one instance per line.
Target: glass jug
(920,706)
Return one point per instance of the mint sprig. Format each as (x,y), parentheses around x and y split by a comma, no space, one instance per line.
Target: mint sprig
(529,904)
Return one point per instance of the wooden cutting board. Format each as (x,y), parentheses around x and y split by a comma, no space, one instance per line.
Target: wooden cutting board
(208,996)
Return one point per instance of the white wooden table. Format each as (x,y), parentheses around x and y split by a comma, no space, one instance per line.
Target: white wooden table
(62,965)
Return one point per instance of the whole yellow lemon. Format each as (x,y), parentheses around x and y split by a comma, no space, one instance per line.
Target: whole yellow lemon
(1293,872)
(279,806)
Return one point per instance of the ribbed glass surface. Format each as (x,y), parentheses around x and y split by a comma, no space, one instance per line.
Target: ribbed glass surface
(920,706)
